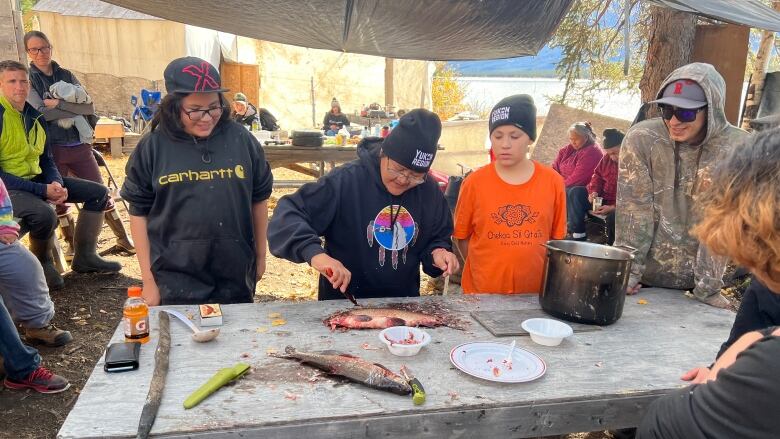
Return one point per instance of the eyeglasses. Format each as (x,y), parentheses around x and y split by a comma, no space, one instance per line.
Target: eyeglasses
(196,115)
(682,114)
(396,174)
(35,50)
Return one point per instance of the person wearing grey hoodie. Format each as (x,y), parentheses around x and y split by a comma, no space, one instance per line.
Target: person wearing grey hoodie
(665,165)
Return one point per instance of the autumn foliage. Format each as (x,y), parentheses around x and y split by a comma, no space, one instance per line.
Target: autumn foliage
(447,92)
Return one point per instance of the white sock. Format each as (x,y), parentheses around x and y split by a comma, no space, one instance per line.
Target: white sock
(579,235)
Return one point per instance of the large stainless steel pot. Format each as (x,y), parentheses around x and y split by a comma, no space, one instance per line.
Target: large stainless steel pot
(585,282)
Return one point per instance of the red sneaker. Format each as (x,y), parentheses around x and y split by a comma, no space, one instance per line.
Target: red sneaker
(41,380)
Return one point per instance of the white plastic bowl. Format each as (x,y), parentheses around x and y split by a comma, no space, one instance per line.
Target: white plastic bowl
(547,332)
(394,335)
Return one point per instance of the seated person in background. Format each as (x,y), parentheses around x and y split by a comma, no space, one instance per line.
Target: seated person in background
(665,165)
(603,184)
(23,285)
(22,363)
(245,113)
(380,217)
(34,184)
(576,163)
(334,119)
(741,220)
(508,208)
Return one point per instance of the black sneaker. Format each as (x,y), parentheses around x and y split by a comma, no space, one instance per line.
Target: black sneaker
(41,380)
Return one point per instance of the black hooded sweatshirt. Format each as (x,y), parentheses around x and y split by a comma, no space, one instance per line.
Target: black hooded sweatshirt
(197,197)
(351,208)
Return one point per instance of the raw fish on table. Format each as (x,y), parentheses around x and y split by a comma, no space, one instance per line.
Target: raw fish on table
(351,367)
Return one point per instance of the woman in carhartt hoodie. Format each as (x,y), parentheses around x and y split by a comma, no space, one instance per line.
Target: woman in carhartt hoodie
(198,187)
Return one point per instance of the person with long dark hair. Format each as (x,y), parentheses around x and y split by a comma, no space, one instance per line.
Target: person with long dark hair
(198,187)
(71,147)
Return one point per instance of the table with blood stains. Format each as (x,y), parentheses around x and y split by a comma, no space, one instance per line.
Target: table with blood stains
(595,380)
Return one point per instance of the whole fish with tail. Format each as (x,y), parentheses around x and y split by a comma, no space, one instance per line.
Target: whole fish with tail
(392,315)
(351,367)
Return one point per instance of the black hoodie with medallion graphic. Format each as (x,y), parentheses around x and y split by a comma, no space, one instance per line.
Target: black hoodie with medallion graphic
(380,238)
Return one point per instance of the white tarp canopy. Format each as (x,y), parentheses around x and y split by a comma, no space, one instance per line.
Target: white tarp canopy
(750,13)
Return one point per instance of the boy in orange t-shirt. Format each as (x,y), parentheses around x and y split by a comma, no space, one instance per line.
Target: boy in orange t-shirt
(509,208)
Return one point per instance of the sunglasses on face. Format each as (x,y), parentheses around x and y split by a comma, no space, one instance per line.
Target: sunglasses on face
(682,114)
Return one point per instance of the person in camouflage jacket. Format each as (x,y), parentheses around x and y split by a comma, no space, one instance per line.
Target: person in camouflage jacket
(664,167)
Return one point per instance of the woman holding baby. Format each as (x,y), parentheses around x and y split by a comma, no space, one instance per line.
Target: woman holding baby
(70,116)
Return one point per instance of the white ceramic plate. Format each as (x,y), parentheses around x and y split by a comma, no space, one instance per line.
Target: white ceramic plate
(485,360)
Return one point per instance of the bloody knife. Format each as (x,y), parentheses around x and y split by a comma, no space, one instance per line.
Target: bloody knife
(346,294)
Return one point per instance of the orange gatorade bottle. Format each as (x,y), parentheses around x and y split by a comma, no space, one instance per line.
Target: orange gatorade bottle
(135,317)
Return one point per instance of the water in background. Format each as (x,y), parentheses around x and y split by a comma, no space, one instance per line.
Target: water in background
(482,93)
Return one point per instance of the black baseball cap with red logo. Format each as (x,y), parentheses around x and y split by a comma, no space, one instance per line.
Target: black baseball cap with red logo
(192,75)
(683,93)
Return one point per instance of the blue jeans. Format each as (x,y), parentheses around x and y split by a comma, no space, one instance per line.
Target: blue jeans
(577,207)
(38,216)
(19,360)
(23,286)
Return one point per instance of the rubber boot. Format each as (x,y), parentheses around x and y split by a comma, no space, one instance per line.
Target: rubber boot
(67,230)
(123,240)
(86,259)
(42,250)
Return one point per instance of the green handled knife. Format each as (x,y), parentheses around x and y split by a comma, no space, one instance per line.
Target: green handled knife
(418,392)
(222,377)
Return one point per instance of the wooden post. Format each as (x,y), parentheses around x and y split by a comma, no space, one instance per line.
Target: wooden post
(116,146)
(11,31)
(756,86)
(313,106)
(389,75)
(725,46)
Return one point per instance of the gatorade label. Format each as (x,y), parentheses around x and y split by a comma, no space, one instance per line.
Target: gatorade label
(136,327)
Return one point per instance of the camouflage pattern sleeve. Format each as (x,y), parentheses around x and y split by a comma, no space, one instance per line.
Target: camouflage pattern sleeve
(708,271)
(634,223)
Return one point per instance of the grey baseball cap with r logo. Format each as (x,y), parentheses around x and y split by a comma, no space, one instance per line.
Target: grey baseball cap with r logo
(683,93)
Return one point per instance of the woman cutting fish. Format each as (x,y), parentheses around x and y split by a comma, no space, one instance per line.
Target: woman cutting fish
(379,216)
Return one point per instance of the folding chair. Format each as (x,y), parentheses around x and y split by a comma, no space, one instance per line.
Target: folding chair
(113,186)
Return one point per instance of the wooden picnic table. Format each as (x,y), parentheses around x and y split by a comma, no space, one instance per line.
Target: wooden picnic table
(595,380)
(292,157)
(285,155)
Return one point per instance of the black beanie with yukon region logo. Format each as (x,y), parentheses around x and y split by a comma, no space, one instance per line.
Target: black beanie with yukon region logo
(517,110)
(413,142)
